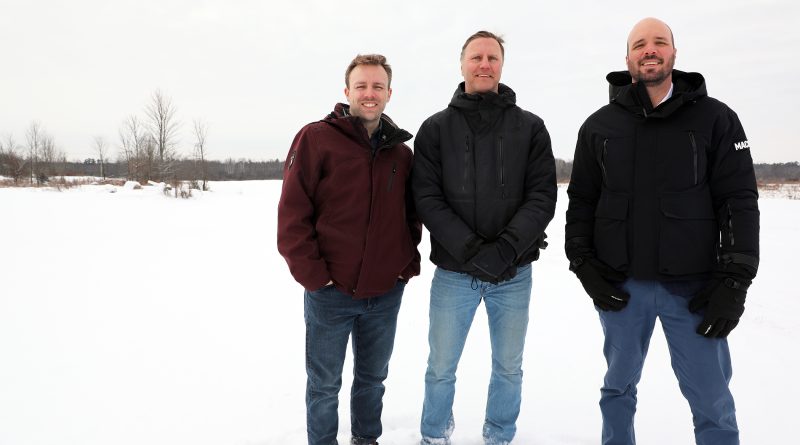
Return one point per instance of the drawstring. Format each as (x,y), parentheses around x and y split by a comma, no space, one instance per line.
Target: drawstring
(474,284)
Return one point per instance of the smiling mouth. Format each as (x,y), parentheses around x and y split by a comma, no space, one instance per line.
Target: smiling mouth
(369,105)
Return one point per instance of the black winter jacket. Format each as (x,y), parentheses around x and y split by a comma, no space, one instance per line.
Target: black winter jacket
(483,169)
(663,193)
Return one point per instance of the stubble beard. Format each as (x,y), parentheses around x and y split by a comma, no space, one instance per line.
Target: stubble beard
(656,77)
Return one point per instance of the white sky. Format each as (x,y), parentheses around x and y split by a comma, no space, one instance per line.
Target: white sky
(257,71)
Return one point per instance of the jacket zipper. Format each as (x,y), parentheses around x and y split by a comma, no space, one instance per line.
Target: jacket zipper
(291,159)
(694,151)
(502,166)
(466,164)
(391,178)
(603,161)
(730,225)
(475,194)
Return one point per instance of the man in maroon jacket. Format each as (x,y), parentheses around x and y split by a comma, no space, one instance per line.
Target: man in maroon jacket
(348,231)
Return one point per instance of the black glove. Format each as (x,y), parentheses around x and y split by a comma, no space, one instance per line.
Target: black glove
(596,278)
(723,300)
(723,297)
(494,262)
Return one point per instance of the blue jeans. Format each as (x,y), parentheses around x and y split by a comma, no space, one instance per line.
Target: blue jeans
(454,299)
(330,317)
(702,365)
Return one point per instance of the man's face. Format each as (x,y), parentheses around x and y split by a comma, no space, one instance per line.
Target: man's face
(651,54)
(368,93)
(482,65)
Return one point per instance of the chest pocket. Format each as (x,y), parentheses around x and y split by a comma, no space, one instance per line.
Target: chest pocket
(616,158)
(682,160)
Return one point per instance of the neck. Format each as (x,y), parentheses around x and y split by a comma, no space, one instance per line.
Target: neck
(370,126)
(657,92)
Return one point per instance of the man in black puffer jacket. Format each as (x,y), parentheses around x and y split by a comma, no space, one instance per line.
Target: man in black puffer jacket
(484,185)
(663,222)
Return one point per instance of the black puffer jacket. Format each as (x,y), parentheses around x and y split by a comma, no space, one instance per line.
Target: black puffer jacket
(660,193)
(483,169)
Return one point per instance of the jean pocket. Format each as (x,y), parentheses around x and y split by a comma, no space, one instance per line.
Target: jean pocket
(323,288)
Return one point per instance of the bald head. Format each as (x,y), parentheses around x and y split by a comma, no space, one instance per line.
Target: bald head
(649,28)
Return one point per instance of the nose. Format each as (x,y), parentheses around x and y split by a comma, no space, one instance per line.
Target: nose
(649,49)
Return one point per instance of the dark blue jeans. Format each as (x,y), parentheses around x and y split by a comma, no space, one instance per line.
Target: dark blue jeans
(702,365)
(331,316)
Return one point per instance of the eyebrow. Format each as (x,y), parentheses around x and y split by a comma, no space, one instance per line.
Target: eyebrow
(657,39)
(366,83)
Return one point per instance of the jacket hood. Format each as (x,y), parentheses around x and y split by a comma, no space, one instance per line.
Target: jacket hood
(505,97)
(482,110)
(688,87)
(351,125)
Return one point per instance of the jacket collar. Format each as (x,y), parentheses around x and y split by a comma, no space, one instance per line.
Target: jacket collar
(505,97)
(351,125)
(688,88)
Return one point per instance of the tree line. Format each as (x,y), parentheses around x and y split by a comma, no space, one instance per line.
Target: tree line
(147,151)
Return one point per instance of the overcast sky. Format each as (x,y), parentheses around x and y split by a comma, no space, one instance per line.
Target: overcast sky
(257,71)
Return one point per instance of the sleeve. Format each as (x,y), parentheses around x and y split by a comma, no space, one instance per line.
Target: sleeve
(541,191)
(734,192)
(584,192)
(297,239)
(449,230)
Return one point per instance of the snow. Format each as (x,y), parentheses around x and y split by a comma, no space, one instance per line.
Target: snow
(138,318)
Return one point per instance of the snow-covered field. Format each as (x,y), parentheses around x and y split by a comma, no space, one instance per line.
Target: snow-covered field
(133,318)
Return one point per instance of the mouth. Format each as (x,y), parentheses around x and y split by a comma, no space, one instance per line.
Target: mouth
(483,76)
(369,104)
(651,62)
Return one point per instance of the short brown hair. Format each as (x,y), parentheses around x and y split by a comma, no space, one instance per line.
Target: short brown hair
(486,35)
(368,59)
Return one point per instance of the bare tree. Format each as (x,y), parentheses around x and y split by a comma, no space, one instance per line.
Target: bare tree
(101,148)
(48,156)
(33,136)
(163,128)
(11,163)
(200,133)
(132,139)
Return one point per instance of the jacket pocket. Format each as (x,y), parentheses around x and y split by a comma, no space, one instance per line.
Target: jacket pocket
(688,235)
(467,159)
(501,163)
(616,159)
(611,230)
(392,175)
(681,157)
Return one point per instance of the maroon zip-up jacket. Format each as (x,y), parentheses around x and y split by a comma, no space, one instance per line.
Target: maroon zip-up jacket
(345,214)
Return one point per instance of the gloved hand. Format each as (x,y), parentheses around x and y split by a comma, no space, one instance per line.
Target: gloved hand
(595,277)
(494,262)
(723,300)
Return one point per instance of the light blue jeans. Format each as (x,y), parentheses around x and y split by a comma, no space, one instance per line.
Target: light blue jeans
(702,365)
(454,299)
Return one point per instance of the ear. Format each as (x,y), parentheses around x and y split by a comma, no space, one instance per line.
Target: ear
(390,95)
(346,92)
